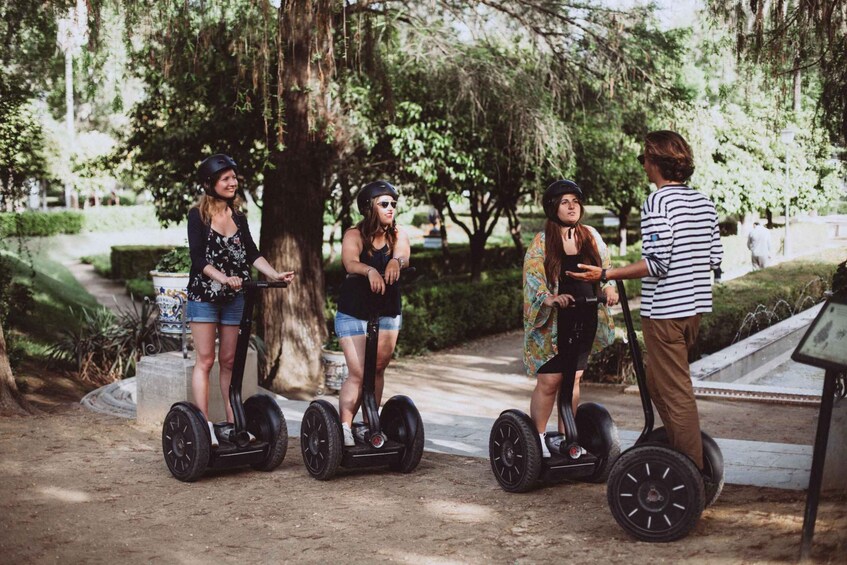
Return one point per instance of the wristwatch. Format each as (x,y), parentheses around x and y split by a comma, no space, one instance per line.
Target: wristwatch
(603,276)
(400,261)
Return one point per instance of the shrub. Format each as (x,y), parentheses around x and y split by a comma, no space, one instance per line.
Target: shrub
(106,347)
(136,261)
(177,260)
(439,315)
(33,224)
(102,264)
(140,288)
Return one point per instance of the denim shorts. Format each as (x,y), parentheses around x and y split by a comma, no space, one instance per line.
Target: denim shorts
(226,313)
(348,326)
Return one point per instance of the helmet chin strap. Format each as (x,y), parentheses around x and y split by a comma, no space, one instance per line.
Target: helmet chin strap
(571,227)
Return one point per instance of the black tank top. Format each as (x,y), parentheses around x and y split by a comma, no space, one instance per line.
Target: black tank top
(577,325)
(356,298)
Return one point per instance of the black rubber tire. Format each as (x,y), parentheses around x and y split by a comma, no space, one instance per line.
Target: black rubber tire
(393,420)
(514,452)
(655,493)
(599,435)
(185,444)
(713,469)
(321,440)
(266,421)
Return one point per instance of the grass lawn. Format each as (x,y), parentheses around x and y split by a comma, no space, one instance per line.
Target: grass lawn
(54,292)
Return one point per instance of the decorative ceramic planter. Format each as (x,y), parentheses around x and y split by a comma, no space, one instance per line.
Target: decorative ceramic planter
(335,369)
(171,296)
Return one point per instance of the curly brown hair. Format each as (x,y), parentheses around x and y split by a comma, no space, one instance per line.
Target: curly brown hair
(670,153)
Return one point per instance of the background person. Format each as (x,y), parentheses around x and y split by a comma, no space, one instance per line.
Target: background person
(375,245)
(548,291)
(681,245)
(222,251)
(759,244)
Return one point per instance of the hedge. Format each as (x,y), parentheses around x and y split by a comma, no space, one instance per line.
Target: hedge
(430,263)
(136,261)
(439,315)
(34,224)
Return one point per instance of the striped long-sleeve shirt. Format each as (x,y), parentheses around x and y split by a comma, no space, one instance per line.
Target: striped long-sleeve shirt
(681,245)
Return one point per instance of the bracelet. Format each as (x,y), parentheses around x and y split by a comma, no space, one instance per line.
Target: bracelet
(603,276)
(399,261)
(368,272)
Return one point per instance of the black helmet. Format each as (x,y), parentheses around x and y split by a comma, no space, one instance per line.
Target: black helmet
(371,191)
(212,166)
(553,194)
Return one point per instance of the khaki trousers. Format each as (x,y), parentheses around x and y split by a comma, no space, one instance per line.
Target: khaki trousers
(669,380)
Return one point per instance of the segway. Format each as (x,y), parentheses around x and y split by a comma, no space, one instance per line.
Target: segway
(656,493)
(586,451)
(393,438)
(186,440)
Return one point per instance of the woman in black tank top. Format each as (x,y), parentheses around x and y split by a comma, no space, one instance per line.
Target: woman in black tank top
(373,254)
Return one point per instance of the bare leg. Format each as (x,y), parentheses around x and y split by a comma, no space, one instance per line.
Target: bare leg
(351,391)
(543,399)
(204,351)
(226,358)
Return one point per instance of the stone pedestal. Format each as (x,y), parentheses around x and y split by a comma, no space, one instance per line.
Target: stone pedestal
(165,378)
(835,466)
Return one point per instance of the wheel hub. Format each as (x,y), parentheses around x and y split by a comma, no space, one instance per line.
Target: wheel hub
(654,496)
(178,445)
(314,444)
(508,454)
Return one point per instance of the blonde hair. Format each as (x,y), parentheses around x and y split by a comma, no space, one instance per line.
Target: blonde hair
(208,205)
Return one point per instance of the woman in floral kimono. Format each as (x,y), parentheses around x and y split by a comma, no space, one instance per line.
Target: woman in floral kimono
(549,323)
(222,252)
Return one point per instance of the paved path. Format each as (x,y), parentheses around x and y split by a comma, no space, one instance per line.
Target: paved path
(107,292)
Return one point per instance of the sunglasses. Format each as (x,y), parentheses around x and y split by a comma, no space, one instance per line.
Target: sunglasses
(641,158)
(387,203)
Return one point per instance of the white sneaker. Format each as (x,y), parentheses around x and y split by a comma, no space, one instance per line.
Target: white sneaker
(348,436)
(545,453)
(212,434)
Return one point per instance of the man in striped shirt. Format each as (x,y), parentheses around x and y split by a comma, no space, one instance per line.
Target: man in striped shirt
(681,247)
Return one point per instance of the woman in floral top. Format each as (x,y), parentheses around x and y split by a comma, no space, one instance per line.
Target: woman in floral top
(222,251)
(549,323)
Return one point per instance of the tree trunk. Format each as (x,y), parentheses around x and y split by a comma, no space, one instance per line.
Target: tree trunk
(515,230)
(477,243)
(292,216)
(11,401)
(623,218)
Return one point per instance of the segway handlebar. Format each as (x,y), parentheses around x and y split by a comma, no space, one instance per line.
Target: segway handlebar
(263,284)
(587,301)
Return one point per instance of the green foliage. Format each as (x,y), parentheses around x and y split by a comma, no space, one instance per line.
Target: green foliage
(119,218)
(441,315)
(839,280)
(102,264)
(33,223)
(140,288)
(136,261)
(177,260)
(106,347)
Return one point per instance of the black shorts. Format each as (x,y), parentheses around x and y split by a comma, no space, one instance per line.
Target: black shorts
(558,364)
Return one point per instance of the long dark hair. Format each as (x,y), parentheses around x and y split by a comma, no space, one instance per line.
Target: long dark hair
(554,249)
(370,226)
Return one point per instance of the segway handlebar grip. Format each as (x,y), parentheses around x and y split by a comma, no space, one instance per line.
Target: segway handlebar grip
(588,300)
(264,284)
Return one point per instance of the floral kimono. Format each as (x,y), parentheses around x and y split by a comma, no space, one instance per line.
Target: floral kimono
(540,331)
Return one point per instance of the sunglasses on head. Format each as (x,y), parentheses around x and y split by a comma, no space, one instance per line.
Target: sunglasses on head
(641,158)
(387,203)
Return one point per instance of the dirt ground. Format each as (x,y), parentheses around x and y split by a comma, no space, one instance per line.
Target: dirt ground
(83,487)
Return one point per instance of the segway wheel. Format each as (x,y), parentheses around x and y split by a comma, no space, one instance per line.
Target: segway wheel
(401,422)
(599,435)
(185,443)
(514,451)
(320,440)
(713,471)
(266,421)
(655,493)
